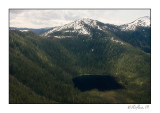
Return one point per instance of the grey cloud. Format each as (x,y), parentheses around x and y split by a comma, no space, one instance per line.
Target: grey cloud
(51,18)
(70,17)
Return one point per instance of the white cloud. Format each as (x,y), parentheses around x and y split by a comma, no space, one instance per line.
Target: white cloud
(51,18)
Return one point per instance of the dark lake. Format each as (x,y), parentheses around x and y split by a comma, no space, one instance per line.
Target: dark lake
(100,82)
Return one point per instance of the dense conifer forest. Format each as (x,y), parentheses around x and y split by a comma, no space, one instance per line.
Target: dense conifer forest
(42,70)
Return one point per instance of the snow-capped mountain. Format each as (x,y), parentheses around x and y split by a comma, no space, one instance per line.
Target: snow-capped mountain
(82,27)
(140,22)
(91,28)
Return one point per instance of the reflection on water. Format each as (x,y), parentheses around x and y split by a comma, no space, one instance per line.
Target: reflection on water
(100,82)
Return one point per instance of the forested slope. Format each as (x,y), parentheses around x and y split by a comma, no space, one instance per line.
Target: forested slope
(43,68)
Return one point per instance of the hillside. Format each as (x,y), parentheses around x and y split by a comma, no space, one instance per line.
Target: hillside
(21,94)
(48,65)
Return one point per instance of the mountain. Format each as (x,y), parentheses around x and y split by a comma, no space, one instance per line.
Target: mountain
(38,31)
(47,67)
(140,22)
(136,33)
(86,27)
(43,67)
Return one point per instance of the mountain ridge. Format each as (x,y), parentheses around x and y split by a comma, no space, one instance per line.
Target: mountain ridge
(35,30)
(78,26)
(140,22)
(83,26)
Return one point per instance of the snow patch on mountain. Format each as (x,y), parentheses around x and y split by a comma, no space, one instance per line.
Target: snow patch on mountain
(62,36)
(24,30)
(117,41)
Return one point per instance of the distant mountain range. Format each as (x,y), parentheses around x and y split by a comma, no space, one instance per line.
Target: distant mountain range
(38,31)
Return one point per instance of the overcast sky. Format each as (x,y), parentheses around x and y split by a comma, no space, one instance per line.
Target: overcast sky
(51,18)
